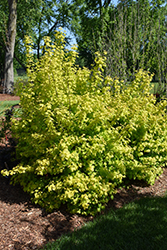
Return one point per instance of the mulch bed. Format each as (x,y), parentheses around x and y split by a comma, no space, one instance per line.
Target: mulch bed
(25,226)
(5,97)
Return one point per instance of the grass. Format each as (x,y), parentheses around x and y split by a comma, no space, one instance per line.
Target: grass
(6,105)
(140,225)
(22,77)
(157,88)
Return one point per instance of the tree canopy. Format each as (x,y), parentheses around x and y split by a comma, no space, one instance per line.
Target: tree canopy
(37,18)
(134,33)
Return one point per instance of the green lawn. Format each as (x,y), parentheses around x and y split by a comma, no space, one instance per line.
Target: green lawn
(6,105)
(140,225)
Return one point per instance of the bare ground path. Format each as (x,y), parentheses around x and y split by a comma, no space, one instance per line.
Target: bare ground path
(24,226)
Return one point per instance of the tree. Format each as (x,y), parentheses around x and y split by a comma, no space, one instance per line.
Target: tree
(133,33)
(9,43)
(37,18)
(1,58)
(89,27)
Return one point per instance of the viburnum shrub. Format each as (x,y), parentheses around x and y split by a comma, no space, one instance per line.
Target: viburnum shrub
(80,134)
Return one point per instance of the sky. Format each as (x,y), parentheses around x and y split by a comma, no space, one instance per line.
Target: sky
(73,40)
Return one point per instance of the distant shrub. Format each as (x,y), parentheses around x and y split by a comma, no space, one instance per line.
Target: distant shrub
(19,84)
(77,139)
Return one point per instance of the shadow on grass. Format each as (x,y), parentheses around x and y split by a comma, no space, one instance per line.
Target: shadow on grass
(4,105)
(140,225)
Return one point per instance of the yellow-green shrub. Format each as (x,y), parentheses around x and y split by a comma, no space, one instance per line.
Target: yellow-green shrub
(77,140)
(143,127)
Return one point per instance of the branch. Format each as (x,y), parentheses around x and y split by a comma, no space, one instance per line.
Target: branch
(106,3)
(19,61)
(54,26)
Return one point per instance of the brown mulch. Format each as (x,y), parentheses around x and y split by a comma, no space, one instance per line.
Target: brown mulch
(25,226)
(5,97)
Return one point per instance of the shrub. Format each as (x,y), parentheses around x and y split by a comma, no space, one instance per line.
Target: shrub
(77,140)
(19,84)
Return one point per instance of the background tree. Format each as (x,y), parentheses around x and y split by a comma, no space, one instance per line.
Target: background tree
(9,36)
(133,33)
(35,18)
(89,27)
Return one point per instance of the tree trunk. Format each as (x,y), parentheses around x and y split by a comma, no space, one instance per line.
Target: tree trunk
(10,43)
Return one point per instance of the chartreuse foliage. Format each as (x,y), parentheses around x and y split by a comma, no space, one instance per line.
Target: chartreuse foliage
(77,140)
